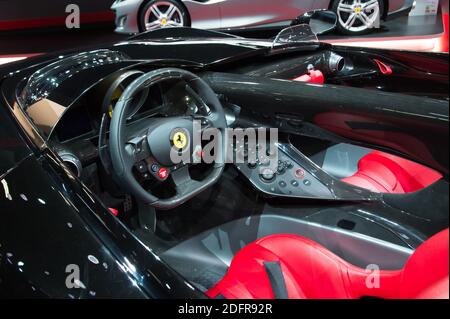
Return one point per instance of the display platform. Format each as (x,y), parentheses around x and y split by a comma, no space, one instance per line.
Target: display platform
(415,33)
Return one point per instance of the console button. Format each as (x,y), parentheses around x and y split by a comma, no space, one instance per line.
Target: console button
(154,168)
(252,165)
(139,147)
(267,175)
(299,173)
(307,182)
(282,184)
(163,173)
(294,183)
(141,167)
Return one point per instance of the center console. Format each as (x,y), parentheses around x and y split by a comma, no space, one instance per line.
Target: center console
(287,172)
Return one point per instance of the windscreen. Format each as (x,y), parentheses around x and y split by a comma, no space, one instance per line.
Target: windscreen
(296,34)
(40,96)
(44,81)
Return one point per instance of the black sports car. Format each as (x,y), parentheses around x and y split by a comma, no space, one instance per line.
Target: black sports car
(92,206)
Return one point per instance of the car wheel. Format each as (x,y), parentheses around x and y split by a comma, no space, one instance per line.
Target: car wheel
(358,16)
(158,14)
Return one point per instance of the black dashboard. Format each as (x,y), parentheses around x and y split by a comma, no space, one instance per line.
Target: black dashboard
(82,120)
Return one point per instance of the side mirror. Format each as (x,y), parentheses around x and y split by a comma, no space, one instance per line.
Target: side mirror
(320,21)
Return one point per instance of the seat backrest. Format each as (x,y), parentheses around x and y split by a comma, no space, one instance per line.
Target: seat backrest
(426,273)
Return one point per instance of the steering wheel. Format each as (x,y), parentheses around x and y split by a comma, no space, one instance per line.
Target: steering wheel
(149,145)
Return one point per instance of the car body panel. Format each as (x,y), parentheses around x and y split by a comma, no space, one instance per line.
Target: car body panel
(250,13)
(22,272)
(24,204)
(396,5)
(13,147)
(127,15)
(233,14)
(204,15)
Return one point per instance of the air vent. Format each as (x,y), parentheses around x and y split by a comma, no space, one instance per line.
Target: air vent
(346,224)
(72,163)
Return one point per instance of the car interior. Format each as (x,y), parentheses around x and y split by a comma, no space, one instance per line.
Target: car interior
(355,204)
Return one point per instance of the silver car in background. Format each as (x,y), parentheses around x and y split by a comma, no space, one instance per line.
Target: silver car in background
(354,16)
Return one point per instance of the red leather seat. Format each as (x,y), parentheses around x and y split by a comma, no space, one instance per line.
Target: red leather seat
(385,173)
(308,270)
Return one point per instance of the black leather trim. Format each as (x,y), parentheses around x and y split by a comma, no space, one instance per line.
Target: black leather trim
(276,278)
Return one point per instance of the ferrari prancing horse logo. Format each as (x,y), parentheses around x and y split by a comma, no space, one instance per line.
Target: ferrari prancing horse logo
(179,140)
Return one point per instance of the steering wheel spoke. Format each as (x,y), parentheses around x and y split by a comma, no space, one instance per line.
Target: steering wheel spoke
(184,184)
(181,178)
(138,148)
(200,102)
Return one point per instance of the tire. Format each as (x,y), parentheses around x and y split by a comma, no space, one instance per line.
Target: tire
(358,27)
(148,17)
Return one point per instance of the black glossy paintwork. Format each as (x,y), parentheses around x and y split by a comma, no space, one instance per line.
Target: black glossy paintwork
(414,73)
(48,219)
(35,252)
(13,147)
(61,223)
(146,270)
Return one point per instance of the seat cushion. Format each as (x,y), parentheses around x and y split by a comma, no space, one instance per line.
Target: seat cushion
(308,271)
(385,173)
(290,266)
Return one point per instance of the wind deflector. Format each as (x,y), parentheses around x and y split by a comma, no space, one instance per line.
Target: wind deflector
(295,34)
(42,82)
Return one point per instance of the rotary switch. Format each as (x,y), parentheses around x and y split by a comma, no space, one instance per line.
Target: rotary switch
(267,175)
